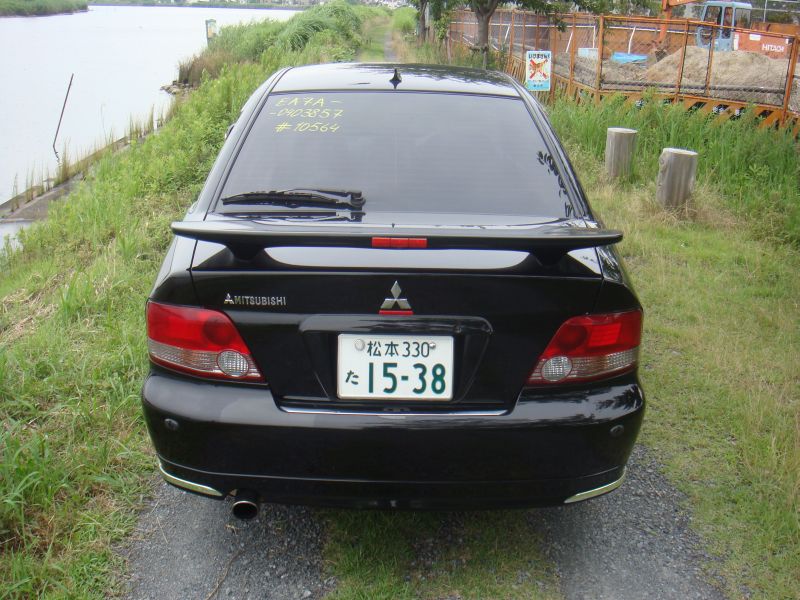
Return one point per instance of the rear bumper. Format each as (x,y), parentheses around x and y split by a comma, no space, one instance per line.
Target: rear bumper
(216,438)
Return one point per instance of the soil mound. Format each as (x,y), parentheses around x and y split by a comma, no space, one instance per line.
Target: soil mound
(761,77)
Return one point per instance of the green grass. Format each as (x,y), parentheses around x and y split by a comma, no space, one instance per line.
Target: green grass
(31,8)
(74,456)
(404,20)
(374,36)
(720,367)
(408,50)
(756,170)
(211,4)
(325,33)
(401,555)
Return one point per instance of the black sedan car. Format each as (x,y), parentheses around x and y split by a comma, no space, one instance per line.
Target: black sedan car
(392,292)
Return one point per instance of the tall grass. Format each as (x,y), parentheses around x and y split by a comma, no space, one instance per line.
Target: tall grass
(30,8)
(436,53)
(195,4)
(404,20)
(334,27)
(756,170)
(73,452)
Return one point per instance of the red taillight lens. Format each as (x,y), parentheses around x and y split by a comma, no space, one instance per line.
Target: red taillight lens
(198,341)
(590,347)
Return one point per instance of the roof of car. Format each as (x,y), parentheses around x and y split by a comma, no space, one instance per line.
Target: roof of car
(379,76)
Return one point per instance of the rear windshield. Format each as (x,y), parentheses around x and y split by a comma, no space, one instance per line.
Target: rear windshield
(406,152)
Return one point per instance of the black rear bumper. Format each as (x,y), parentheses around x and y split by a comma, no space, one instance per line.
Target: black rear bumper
(547,450)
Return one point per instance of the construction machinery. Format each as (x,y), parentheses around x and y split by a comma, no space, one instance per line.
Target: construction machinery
(730,27)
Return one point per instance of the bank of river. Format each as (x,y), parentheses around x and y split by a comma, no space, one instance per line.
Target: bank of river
(120,55)
(37,8)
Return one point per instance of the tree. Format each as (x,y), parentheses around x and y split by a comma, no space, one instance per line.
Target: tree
(421,6)
(484,9)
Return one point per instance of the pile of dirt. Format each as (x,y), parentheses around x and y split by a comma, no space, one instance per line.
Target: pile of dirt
(585,71)
(762,77)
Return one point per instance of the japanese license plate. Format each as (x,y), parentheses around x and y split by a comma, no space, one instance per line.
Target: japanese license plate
(398,367)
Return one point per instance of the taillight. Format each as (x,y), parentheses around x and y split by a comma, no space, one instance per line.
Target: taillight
(399,242)
(198,341)
(590,347)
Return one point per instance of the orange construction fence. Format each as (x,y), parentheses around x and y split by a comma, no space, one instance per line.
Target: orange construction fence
(701,65)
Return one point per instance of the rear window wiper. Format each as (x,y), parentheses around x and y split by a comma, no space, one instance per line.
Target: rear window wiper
(315,214)
(294,198)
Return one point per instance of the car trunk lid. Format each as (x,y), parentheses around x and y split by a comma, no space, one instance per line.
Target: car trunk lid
(293,290)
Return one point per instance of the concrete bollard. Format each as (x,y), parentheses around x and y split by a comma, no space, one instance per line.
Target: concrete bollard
(676,175)
(620,145)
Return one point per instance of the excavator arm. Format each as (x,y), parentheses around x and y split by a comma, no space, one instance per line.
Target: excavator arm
(666,13)
(668,5)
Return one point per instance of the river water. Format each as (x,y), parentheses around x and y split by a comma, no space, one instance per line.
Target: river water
(9,229)
(120,55)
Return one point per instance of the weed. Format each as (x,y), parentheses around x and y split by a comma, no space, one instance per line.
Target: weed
(400,555)
(757,171)
(404,20)
(74,459)
(40,7)
(330,30)
(720,309)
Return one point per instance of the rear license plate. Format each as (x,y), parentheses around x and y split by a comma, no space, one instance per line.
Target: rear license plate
(396,367)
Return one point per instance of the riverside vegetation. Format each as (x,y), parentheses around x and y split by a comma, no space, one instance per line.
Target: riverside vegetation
(720,356)
(33,8)
(74,458)
(210,4)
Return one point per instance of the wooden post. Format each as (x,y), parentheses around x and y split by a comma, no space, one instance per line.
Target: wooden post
(620,145)
(710,59)
(683,61)
(600,48)
(573,44)
(787,94)
(510,60)
(676,172)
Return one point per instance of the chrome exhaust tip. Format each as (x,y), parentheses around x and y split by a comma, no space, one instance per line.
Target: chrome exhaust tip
(245,505)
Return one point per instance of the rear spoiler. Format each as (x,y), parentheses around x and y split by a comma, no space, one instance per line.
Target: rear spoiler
(246,238)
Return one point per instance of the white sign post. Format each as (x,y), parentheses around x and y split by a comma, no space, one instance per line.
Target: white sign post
(538,67)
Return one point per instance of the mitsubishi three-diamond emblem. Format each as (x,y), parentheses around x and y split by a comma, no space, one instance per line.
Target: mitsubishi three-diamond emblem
(396,304)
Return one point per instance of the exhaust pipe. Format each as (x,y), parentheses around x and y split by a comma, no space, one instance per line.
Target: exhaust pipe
(245,505)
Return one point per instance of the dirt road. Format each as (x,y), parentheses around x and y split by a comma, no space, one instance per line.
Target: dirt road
(632,544)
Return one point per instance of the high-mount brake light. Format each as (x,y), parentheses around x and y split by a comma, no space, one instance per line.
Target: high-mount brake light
(590,347)
(198,341)
(399,242)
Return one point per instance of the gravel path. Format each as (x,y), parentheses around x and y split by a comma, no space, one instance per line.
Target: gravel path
(632,544)
(389,54)
(189,547)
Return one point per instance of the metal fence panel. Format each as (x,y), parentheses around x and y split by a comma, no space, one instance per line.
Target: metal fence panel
(687,60)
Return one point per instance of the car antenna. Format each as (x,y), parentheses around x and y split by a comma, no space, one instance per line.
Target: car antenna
(396,79)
